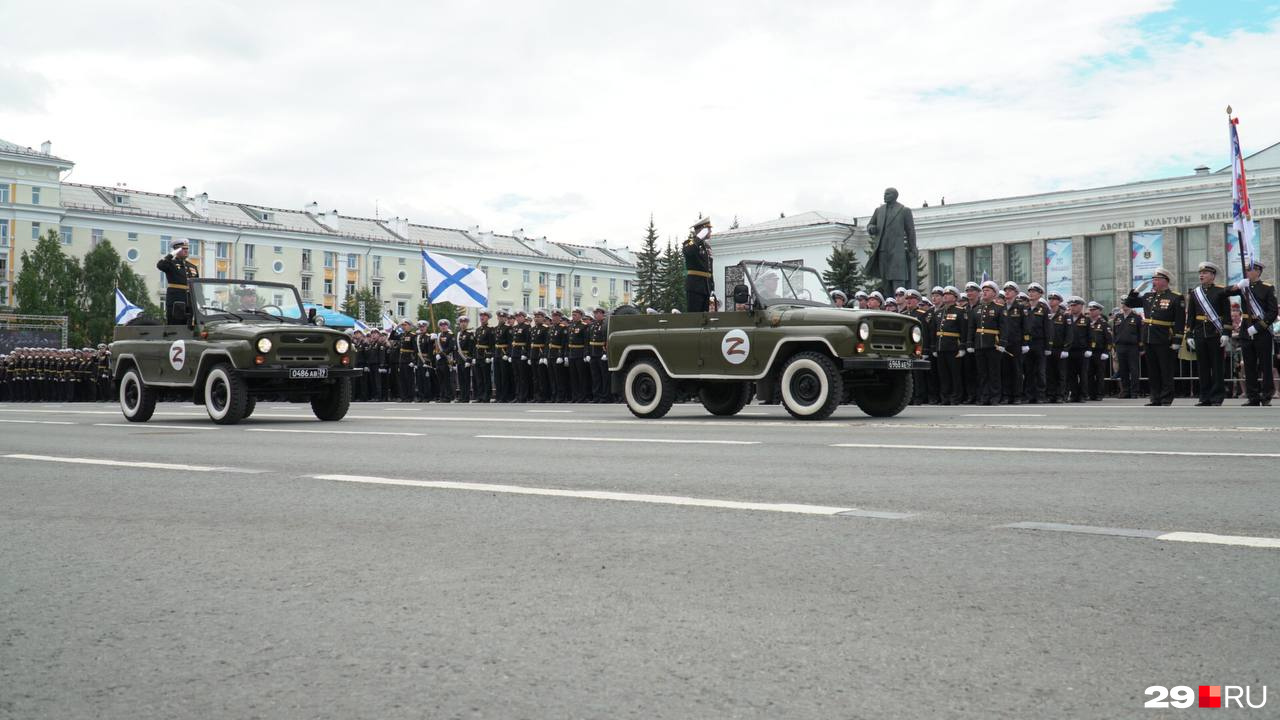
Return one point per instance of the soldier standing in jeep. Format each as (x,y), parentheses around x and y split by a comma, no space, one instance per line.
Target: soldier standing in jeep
(178,272)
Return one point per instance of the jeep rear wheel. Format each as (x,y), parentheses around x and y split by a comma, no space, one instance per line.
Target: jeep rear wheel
(887,396)
(811,387)
(334,404)
(648,390)
(724,398)
(137,401)
(225,395)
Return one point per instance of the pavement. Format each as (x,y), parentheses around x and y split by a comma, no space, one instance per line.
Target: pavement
(531,561)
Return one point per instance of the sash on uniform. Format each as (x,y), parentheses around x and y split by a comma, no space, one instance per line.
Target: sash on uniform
(1254,306)
(1208,311)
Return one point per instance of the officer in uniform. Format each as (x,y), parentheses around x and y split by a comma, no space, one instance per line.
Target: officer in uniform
(1015,337)
(579,376)
(425,350)
(985,339)
(920,378)
(178,272)
(838,298)
(1257,313)
(539,336)
(502,376)
(557,388)
(1040,333)
(699,286)
(951,331)
(407,354)
(1127,332)
(486,354)
(466,358)
(520,356)
(1208,332)
(446,359)
(1079,351)
(860,299)
(597,334)
(1100,342)
(969,304)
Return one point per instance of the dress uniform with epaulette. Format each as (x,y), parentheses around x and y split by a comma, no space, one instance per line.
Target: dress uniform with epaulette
(969,364)
(1100,342)
(951,332)
(539,362)
(597,334)
(1208,332)
(1014,336)
(1257,313)
(985,338)
(1163,321)
(502,382)
(520,366)
(1127,332)
(466,358)
(486,355)
(699,285)
(446,361)
(178,273)
(1035,362)
(1079,351)
(579,376)
(557,377)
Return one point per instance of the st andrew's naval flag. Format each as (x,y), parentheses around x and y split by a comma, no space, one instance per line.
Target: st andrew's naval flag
(1242,220)
(452,282)
(125,310)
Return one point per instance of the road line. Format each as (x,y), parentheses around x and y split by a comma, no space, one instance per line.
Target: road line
(1186,537)
(620,440)
(981,415)
(335,432)
(144,426)
(601,495)
(549,411)
(129,464)
(1063,451)
(38,422)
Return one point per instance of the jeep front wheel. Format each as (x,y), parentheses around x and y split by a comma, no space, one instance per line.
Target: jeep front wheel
(724,398)
(648,390)
(334,404)
(226,396)
(811,387)
(137,401)
(887,396)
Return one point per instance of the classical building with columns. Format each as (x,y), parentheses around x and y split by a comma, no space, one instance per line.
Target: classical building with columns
(1096,243)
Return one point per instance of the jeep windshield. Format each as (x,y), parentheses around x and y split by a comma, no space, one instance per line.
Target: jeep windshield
(785,284)
(246,301)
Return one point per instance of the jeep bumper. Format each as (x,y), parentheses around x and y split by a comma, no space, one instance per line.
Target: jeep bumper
(883,364)
(283,374)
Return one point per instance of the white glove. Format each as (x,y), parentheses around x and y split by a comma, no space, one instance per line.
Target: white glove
(435,336)
(1175,346)
(437,357)
(529,361)
(587,358)
(960,354)
(1253,330)
(1191,343)
(1088,354)
(1106,356)
(1048,353)
(935,353)
(488,361)
(1243,284)
(1026,349)
(542,361)
(604,357)
(507,358)
(1223,339)
(1063,355)
(1000,348)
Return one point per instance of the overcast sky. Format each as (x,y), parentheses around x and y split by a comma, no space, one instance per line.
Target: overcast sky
(577,119)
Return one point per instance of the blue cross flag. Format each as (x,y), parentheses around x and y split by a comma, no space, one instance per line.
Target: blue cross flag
(452,282)
(125,310)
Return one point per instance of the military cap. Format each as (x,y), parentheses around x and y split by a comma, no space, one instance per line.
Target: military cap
(937,290)
(926,302)
(971,285)
(701,222)
(598,309)
(1257,265)
(422,322)
(484,313)
(876,294)
(1011,285)
(860,295)
(951,290)
(840,293)
(576,310)
(1161,272)
(1023,296)
(442,321)
(1075,300)
(1094,304)
(503,313)
(1206,265)
(899,290)
(464,319)
(914,293)
(521,313)
(541,312)
(1035,287)
(890,301)
(102,346)
(988,284)
(179,243)
(1057,295)
(556,311)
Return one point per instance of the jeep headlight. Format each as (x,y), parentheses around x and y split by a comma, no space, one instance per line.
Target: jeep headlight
(916,334)
(264,345)
(342,346)
(864,331)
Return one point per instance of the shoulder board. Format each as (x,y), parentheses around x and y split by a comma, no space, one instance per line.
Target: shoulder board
(1266,284)
(1221,287)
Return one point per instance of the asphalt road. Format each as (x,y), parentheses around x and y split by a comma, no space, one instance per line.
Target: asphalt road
(573,561)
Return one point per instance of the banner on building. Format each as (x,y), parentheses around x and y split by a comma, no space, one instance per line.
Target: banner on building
(1057,265)
(1147,254)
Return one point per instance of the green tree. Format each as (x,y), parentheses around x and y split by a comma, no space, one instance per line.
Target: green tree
(363,305)
(103,271)
(842,271)
(48,282)
(443,311)
(649,278)
(672,272)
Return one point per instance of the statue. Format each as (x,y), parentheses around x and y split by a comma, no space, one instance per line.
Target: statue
(895,254)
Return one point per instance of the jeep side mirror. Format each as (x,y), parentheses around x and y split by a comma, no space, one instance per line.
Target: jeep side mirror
(180,311)
(741,296)
(311,315)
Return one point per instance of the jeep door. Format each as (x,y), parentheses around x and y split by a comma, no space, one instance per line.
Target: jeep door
(730,345)
(681,340)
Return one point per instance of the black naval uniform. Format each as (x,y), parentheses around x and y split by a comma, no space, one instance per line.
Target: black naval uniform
(969,364)
(579,377)
(1256,349)
(1100,341)
(539,335)
(1014,335)
(178,273)
(1056,383)
(424,367)
(1162,330)
(925,389)
(502,363)
(520,361)
(952,330)
(466,362)
(1035,362)
(698,283)
(597,333)
(557,387)
(485,354)
(1128,339)
(1079,342)
(1209,350)
(984,338)
(446,359)
(407,365)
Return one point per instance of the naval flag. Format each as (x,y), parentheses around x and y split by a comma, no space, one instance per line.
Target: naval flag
(1242,220)
(361,325)
(125,310)
(388,322)
(451,281)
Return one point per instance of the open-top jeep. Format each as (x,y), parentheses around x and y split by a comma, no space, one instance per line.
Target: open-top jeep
(244,340)
(782,334)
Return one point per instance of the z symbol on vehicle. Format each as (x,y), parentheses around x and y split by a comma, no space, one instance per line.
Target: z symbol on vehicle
(735,346)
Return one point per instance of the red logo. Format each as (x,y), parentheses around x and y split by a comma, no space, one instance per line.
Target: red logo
(1210,696)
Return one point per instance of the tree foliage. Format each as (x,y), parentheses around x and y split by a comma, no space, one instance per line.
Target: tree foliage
(843,271)
(363,305)
(671,270)
(649,277)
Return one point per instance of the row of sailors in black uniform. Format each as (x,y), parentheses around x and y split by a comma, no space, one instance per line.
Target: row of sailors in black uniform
(539,358)
(56,375)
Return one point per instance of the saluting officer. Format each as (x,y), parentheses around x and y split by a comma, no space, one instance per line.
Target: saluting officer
(1257,313)
(178,272)
(985,338)
(699,285)
(485,356)
(1128,338)
(1164,315)
(1208,332)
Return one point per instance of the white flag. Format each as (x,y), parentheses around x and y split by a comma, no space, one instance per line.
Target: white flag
(388,322)
(125,310)
(452,282)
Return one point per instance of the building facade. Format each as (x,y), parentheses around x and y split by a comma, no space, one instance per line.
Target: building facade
(1096,243)
(327,255)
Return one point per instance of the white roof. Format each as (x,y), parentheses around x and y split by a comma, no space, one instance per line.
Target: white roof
(813,217)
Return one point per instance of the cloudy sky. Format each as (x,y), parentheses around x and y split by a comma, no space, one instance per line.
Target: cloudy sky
(576,119)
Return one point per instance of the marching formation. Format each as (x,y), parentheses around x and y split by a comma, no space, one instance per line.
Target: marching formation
(993,344)
(52,375)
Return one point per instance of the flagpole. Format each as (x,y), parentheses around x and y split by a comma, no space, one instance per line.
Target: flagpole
(431,308)
(1244,271)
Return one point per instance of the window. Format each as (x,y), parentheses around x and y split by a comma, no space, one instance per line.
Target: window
(328,286)
(595,280)
(1233,272)
(377,265)
(613,287)
(626,284)
(4,233)
(248,255)
(35,196)
(35,231)
(559,280)
(1018,259)
(306,260)
(193,247)
(577,281)
(133,237)
(306,285)
(944,267)
(278,299)
(980,262)
(277,266)
(424,292)
(1101,253)
(402,275)
(278,249)
(525,300)
(248,274)
(400,260)
(222,274)
(64,234)
(402,307)
(95,237)
(351,289)
(120,199)
(542,299)
(577,299)
(132,254)
(525,278)
(165,242)
(377,291)
(505,284)
(4,192)
(353,261)
(329,259)
(221,250)
(4,294)
(504,271)
(542,278)
(1193,249)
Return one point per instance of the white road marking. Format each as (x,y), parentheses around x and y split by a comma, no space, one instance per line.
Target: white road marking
(334,432)
(620,440)
(981,415)
(38,422)
(601,495)
(1242,540)
(144,426)
(129,464)
(1189,537)
(1064,451)
(549,411)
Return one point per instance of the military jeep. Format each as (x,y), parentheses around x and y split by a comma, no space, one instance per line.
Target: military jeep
(243,340)
(780,336)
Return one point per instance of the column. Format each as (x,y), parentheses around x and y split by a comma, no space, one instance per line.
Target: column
(1124,264)
(1267,245)
(1039,273)
(961,267)
(1172,258)
(1079,266)
(999,263)
(1218,250)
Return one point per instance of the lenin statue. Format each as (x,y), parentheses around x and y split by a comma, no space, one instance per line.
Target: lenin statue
(895,254)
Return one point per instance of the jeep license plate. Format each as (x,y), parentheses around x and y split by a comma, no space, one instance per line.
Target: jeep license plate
(308,373)
(899,364)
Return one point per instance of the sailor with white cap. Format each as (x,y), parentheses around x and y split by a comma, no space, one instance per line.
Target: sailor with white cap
(985,339)
(1164,318)
(1208,333)
(838,298)
(1257,313)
